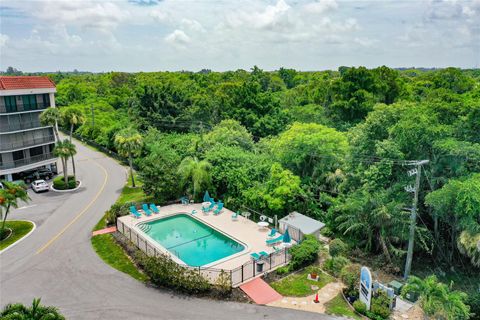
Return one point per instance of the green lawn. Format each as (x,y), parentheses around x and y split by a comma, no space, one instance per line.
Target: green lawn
(19,228)
(113,255)
(339,307)
(297,285)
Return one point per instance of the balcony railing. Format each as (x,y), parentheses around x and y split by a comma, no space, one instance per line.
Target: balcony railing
(20,108)
(5,146)
(20,126)
(26,161)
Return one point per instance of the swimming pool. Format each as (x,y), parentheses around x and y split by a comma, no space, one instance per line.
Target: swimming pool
(190,240)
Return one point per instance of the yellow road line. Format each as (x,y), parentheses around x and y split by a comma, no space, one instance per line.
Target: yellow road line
(80,214)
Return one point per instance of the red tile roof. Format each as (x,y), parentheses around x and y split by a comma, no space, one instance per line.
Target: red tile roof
(25,82)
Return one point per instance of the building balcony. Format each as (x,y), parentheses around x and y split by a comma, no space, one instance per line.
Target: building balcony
(15,145)
(22,109)
(27,161)
(19,126)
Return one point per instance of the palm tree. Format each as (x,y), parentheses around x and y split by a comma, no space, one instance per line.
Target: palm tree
(10,194)
(437,299)
(64,150)
(197,171)
(51,117)
(35,312)
(73,117)
(128,143)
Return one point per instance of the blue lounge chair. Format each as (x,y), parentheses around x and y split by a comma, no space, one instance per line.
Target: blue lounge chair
(146,210)
(184,200)
(205,210)
(134,212)
(276,249)
(275,240)
(194,211)
(219,208)
(264,254)
(235,216)
(272,233)
(154,208)
(212,205)
(255,256)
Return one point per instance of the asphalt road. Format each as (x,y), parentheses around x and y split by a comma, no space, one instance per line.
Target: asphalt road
(57,262)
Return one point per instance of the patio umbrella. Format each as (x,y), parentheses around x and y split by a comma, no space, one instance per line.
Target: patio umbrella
(286,237)
(206,197)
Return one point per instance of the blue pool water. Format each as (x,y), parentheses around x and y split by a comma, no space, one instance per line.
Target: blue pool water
(192,241)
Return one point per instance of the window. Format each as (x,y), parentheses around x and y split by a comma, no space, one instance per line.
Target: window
(29,102)
(36,151)
(46,100)
(10,104)
(18,155)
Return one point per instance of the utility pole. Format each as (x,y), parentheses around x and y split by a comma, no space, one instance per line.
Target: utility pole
(413,216)
(93,117)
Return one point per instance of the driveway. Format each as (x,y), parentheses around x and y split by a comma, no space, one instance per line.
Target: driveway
(58,263)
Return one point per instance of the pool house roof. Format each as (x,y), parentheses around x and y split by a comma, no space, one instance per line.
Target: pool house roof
(299,221)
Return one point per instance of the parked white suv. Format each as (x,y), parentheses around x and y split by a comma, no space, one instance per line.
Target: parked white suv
(40,185)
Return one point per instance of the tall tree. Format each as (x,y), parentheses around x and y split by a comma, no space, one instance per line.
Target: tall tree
(10,195)
(51,117)
(64,150)
(198,171)
(73,118)
(129,144)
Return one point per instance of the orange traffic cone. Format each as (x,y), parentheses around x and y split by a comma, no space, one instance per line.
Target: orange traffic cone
(316,298)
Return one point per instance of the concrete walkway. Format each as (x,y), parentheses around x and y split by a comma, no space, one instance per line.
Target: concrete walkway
(58,263)
(104,231)
(325,294)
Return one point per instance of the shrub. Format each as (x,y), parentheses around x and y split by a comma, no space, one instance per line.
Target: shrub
(337,247)
(223,285)
(350,275)
(381,305)
(283,270)
(117,210)
(360,307)
(304,253)
(59,183)
(163,271)
(335,264)
(473,301)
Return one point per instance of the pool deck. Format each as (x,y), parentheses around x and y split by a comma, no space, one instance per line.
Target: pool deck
(243,230)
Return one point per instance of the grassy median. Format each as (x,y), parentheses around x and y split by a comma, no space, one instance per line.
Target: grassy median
(112,253)
(19,230)
(339,307)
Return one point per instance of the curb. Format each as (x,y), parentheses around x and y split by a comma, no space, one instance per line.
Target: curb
(69,190)
(21,239)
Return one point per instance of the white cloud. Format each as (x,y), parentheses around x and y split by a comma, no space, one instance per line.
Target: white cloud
(177,37)
(3,39)
(365,42)
(102,16)
(192,25)
(321,6)
(270,17)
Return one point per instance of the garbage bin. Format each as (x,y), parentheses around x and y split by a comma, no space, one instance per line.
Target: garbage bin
(260,265)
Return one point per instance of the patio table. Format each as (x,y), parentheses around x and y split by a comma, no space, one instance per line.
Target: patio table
(262,224)
(206,204)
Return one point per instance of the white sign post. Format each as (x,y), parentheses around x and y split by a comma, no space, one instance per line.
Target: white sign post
(366,286)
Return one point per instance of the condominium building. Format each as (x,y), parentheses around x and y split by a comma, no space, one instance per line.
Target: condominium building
(25,143)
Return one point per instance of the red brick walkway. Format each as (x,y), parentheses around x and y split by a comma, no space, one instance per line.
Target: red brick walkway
(260,292)
(103,231)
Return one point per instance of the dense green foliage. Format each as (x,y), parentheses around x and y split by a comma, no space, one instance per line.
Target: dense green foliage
(35,312)
(337,247)
(163,271)
(330,144)
(437,299)
(304,253)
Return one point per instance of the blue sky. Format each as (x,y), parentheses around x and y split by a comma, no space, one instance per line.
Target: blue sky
(153,35)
